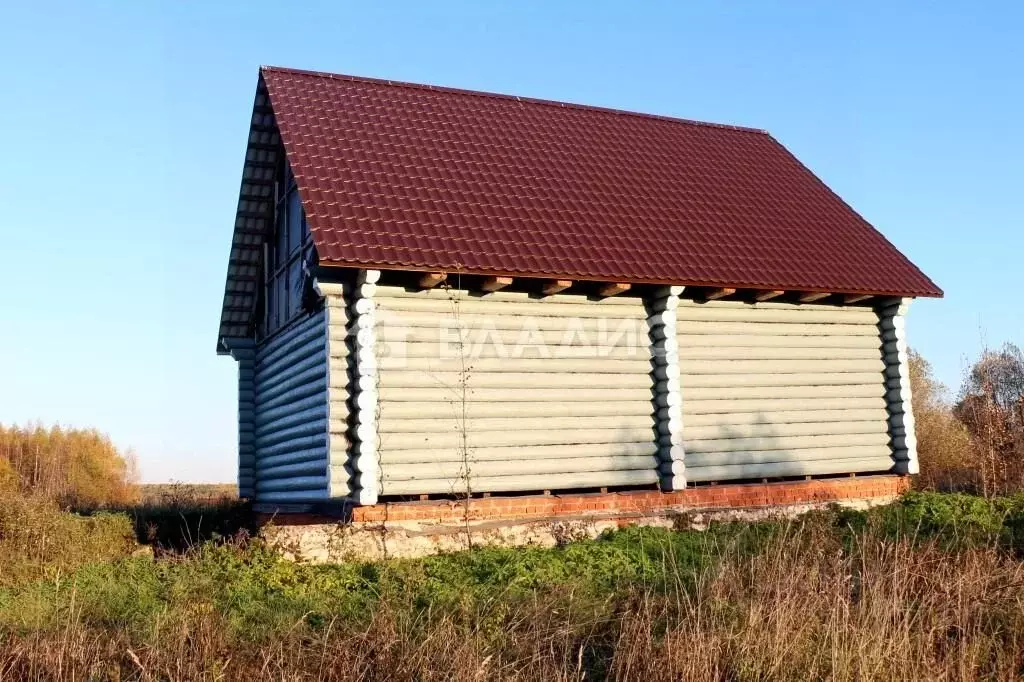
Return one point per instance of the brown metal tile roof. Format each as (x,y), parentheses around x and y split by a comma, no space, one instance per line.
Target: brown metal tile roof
(393,174)
(397,175)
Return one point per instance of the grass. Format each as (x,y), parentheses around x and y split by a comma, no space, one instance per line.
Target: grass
(929,588)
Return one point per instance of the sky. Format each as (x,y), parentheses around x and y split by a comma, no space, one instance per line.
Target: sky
(125,128)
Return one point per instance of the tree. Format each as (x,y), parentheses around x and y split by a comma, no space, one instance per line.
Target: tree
(944,446)
(991,405)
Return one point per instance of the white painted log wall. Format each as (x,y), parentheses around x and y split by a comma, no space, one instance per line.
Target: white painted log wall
(360,381)
(777,389)
(505,392)
(339,359)
(290,414)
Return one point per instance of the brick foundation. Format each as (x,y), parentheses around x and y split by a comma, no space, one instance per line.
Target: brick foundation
(636,502)
(419,528)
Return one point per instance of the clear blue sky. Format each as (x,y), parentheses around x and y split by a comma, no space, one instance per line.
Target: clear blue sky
(125,124)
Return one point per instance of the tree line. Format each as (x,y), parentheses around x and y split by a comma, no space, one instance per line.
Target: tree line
(80,468)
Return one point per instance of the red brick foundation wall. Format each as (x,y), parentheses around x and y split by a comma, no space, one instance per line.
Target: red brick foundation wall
(637,502)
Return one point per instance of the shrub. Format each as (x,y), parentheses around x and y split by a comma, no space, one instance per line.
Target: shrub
(37,539)
(946,453)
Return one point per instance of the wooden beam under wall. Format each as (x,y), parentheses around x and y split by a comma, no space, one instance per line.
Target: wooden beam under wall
(715,294)
(768,294)
(856,298)
(613,289)
(496,283)
(812,296)
(432,279)
(553,286)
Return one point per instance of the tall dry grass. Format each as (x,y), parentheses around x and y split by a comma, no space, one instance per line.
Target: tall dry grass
(808,604)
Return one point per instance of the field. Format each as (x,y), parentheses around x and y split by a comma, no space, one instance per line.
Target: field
(931,587)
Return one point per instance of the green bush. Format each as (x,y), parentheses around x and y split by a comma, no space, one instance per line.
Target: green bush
(37,539)
(955,520)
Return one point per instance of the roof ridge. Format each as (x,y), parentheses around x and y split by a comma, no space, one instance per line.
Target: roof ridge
(518,98)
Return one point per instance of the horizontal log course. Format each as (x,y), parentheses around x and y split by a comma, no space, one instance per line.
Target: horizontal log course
(760,352)
(267,383)
(780,469)
(390,292)
(703,459)
(529,453)
(297,417)
(468,320)
(284,355)
(446,394)
(695,434)
(331,289)
(316,467)
(294,335)
(339,409)
(296,483)
(311,427)
(387,425)
(688,337)
(473,469)
(634,366)
(822,367)
(419,441)
(694,409)
(522,338)
(690,381)
(760,313)
(486,306)
(773,305)
(774,329)
(785,442)
(539,380)
(522,482)
(738,418)
(292,387)
(311,402)
(298,444)
(336,364)
(490,349)
(453,408)
(864,390)
(318,454)
(293,496)
(298,357)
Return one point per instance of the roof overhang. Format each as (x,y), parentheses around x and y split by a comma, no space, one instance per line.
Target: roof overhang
(253,224)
